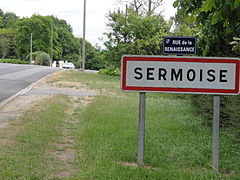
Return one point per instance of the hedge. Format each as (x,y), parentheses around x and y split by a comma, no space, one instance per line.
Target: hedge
(229,110)
(13,61)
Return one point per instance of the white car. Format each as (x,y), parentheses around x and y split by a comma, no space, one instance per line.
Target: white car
(68,65)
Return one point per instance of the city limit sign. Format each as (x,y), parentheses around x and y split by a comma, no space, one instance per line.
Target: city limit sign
(179,74)
(179,45)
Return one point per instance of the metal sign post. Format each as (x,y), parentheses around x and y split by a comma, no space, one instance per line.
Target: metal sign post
(216,117)
(30,61)
(141,127)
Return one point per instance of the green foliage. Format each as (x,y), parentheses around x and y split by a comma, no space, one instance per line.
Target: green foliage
(95,59)
(230,115)
(35,54)
(7,43)
(133,33)
(47,32)
(208,5)
(13,61)
(44,58)
(236,45)
(111,72)
(67,46)
(10,20)
(40,27)
(215,25)
(236,4)
(41,58)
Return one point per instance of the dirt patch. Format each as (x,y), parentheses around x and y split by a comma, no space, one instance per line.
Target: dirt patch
(76,85)
(64,151)
(135,165)
(16,108)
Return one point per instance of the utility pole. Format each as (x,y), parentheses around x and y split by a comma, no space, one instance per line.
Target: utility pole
(150,6)
(126,13)
(51,59)
(84,43)
(80,56)
(30,60)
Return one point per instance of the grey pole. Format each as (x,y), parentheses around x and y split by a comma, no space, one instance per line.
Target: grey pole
(51,59)
(150,6)
(216,120)
(141,127)
(84,43)
(30,60)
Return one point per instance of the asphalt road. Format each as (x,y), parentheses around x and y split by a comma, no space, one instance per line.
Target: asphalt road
(14,78)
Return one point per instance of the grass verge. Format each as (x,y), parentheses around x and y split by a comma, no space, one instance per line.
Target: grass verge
(177,145)
(90,80)
(103,137)
(26,157)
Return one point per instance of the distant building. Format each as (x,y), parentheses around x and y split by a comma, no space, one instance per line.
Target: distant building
(59,63)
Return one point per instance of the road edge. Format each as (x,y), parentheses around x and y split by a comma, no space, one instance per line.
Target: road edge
(23,91)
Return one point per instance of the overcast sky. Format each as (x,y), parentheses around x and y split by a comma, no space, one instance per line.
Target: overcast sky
(72,12)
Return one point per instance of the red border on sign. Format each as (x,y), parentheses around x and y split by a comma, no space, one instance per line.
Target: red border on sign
(179,90)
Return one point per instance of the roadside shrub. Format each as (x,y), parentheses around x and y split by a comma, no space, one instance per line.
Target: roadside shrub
(13,61)
(229,110)
(45,59)
(35,54)
(111,72)
(41,58)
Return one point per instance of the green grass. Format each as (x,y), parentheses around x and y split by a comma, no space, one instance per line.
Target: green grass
(177,143)
(90,80)
(26,158)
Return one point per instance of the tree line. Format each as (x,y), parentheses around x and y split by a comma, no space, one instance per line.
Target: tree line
(51,38)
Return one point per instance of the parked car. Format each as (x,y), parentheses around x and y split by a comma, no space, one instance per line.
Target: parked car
(68,65)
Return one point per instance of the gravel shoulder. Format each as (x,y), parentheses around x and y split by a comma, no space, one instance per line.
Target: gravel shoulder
(39,91)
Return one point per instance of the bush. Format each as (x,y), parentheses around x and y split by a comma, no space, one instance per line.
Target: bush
(41,58)
(34,55)
(13,61)
(229,110)
(111,72)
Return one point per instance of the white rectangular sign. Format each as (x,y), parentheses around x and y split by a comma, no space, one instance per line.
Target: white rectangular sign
(180,74)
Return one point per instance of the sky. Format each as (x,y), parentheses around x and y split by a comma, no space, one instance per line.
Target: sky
(72,12)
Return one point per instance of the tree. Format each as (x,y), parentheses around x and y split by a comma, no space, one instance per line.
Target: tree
(217,21)
(9,20)
(134,34)
(47,32)
(65,44)
(142,6)
(6,42)
(40,27)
